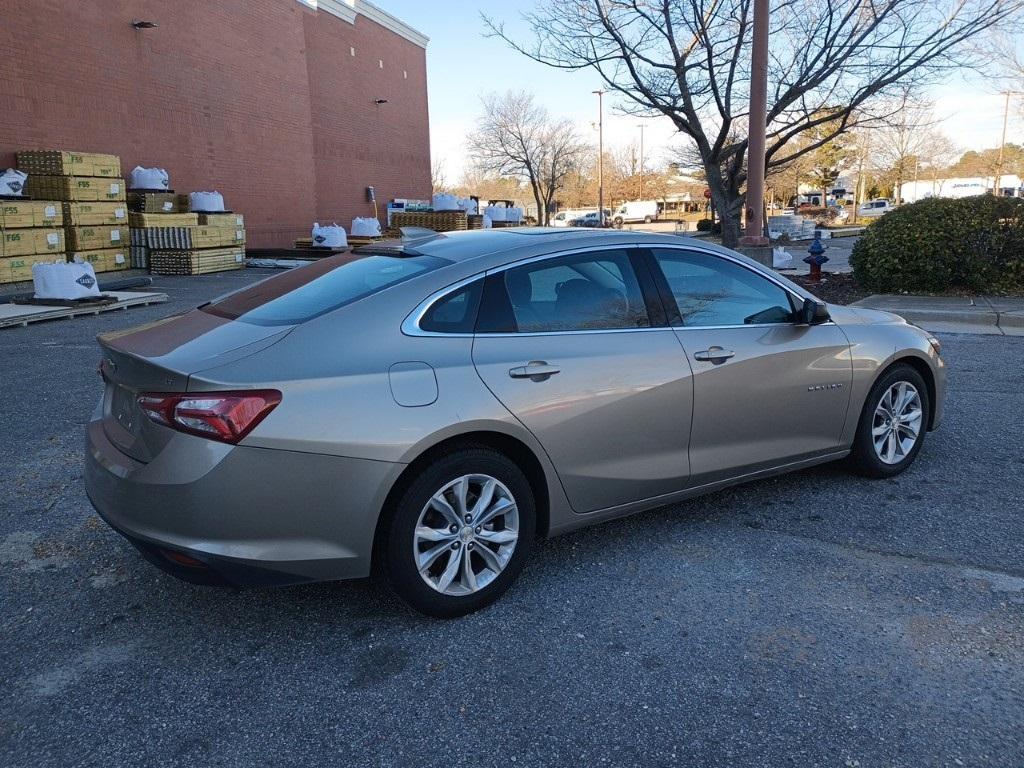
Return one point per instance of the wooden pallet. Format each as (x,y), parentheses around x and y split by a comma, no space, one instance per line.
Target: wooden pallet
(14,315)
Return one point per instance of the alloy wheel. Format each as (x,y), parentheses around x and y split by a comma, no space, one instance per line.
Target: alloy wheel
(897,421)
(466,534)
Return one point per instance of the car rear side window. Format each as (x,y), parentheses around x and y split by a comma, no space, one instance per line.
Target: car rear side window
(307,292)
(455,312)
(712,291)
(581,292)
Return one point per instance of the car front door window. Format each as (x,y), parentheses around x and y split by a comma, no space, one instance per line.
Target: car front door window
(710,291)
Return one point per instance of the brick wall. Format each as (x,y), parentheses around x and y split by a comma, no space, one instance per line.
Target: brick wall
(261,100)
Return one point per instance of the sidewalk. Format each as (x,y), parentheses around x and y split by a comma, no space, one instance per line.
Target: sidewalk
(955,314)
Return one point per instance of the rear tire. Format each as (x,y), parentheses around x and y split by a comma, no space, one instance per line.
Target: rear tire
(648,219)
(892,424)
(460,533)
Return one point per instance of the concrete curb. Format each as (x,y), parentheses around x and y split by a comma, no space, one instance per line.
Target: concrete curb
(950,314)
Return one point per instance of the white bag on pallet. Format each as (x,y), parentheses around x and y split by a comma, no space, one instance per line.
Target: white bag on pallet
(62,280)
(365,227)
(329,236)
(206,202)
(148,178)
(444,202)
(495,212)
(12,182)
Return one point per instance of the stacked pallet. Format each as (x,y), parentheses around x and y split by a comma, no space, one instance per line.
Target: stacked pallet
(91,194)
(213,242)
(30,233)
(72,176)
(195,261)
(147,228)
(439,221)
(97,233)
(148,201)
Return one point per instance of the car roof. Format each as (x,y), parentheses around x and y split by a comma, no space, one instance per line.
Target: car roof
(479,243)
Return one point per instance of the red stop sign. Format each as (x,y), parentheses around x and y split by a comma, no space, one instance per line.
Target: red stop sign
(707,193)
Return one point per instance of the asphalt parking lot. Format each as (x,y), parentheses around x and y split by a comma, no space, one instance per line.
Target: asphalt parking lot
(814,620)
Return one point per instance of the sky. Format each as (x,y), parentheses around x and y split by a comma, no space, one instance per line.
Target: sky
(463,64)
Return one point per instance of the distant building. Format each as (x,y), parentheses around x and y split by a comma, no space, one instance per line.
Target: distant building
(912,191)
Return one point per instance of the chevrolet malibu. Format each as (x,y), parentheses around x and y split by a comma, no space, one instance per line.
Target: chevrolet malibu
(429,407)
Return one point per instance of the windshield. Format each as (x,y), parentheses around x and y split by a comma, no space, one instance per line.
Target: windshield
(307,292)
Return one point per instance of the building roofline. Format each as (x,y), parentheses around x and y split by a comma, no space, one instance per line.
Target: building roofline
(349,9)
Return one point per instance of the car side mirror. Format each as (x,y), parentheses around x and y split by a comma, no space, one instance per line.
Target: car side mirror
(813,313)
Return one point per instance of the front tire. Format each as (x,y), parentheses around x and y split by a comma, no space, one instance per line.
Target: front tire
(460,533)
(893,423)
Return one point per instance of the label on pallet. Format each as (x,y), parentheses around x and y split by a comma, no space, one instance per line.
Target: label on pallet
(119,213)
(168,206)
(115,235)
(239,234)
(50,211)
(52,238)
(115,189)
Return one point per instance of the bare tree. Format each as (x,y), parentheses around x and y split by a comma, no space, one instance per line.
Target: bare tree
(689,60)
(900,141)
(516,137)
(438,177)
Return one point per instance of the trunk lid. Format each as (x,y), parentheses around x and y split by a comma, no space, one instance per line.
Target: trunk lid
(161,357)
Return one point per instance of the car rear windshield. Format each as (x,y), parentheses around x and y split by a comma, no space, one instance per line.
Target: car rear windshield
(307,292)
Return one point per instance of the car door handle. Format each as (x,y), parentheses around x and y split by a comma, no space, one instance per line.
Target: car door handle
(714,355)
(535,370)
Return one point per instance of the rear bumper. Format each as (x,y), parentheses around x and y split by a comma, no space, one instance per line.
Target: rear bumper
(249,516)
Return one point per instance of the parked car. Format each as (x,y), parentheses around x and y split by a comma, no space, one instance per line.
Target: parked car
(635,212)
(593,219)
(432,406)
(875,208)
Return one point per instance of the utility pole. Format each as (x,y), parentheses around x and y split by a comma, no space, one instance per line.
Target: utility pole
(1002,147)
(757,128)
(641,127)
(600,155)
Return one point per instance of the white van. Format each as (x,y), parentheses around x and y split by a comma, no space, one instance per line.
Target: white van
(563,218)
(635,212)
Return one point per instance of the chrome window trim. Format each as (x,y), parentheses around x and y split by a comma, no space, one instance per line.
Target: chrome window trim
(410,326)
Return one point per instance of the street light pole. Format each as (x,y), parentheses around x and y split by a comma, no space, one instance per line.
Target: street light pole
(757,128)
(641,127)
(600,155)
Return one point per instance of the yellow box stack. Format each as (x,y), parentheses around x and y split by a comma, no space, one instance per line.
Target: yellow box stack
(30,233)
(92,193)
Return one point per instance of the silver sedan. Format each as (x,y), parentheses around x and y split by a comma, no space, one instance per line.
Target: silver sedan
(432,406)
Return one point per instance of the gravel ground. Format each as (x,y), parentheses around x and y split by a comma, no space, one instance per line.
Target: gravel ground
(813,620)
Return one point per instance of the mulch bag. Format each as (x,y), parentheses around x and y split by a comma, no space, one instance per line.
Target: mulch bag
(365,227)
(12,182)
(63,280)
(329,236)
(149,178)
(206,202)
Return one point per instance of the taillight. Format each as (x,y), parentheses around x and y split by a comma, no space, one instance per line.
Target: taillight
(223,416)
